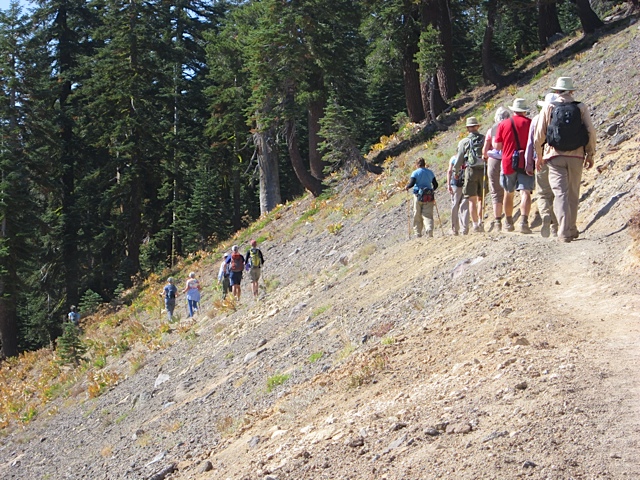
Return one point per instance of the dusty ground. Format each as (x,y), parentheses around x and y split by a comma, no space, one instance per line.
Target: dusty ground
(487,356)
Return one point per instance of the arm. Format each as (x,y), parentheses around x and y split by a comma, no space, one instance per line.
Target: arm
(435,183)
(449,175)
(540,135)
(487,145)
(590,148)
(460,155)
(529,152)
(261,257)
(411,183)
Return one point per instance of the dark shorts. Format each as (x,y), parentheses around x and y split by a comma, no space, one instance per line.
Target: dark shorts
(517,181)
(235,278)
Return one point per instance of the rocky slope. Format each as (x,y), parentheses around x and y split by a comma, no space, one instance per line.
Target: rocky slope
(373,355)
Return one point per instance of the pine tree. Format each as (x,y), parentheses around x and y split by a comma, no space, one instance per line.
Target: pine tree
(70,348)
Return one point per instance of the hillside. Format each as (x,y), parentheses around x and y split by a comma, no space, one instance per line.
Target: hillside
(372,355)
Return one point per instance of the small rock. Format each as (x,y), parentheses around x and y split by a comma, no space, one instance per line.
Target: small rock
(355,442)
(205,466)
(615,455)
(611,129)
(396,443)
(529,464)
(344,259)
(521,386)
(270,477)
(398,426)
(163,377)
(262,342)
(254,441)
(494,435)
(522,341)
(505,312)
(162,474)
(618,139)
(432,432)
(250,356)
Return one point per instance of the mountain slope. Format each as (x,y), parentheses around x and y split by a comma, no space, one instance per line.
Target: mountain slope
(374,355)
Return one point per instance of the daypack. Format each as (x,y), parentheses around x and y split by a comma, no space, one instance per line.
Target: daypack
(425,195)
(255,258)
(171,291)
(566,132)
(474,153)
(237,262)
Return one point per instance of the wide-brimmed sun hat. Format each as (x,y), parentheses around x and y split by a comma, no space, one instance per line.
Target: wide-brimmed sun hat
(564,84)
(472,122)
(519,105)
(234,248)
(548,98)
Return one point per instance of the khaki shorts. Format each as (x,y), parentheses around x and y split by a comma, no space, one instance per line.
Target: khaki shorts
(473,181)
(254,274)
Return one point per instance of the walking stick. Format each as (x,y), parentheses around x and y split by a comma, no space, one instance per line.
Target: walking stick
(409,213)
(438,212)
(484,193)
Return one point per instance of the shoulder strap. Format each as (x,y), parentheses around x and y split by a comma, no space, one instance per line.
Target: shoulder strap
(515,133)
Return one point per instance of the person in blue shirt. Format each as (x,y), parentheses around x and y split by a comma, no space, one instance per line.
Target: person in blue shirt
(169,293)
(74,316)
(192,289)
(424,183)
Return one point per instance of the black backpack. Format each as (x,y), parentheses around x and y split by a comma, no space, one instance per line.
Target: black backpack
(566,132)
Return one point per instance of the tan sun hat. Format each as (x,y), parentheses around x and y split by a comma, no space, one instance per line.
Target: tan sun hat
(519,105)
(472,122)
(548,98)
(564,84)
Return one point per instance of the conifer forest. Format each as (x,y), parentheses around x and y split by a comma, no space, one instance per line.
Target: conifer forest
(134,133)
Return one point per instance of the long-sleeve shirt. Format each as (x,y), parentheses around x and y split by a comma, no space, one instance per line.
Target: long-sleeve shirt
(530,151)
(546,151)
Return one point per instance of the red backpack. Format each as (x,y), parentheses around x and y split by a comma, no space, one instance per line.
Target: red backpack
(237,262)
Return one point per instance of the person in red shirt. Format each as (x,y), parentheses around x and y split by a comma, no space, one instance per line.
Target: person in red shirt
(511,180)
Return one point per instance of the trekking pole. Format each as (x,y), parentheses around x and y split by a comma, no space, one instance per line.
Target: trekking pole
(484,193)
(409,213)
(438,213)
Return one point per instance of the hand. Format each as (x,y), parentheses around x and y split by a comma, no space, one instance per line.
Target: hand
(529,172)
(588,162)
(450,188)
(540,163)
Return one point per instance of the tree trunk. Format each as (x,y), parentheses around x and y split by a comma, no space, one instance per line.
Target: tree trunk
(316,112)
(426,100)
(67,162)
(412,93)
(446,73)
(266,146)
(8,324)
(438,105)
(307,180)
(548,23)
(588,18)
(489,72)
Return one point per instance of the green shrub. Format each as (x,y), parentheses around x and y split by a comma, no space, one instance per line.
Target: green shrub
(276,380)
(89,302)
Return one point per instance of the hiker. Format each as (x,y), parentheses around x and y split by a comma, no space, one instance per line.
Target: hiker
(236,268)
(543,189)
(192,289)
(255,260)
(569,140)
(493,157)
(74,316)
(511,138)
(423,181)
(470,154)
(223,275)
(169,293)
(459,204)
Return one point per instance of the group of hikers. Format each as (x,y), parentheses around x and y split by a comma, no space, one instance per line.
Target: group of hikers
(229,277)
(546,153)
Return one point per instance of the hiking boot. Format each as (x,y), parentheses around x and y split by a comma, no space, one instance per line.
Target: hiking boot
(508,224)
(430,233)
(554,230)
(479,228)
(565,239)
(524,227)
(454,233)
(497,225)
(545,231)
